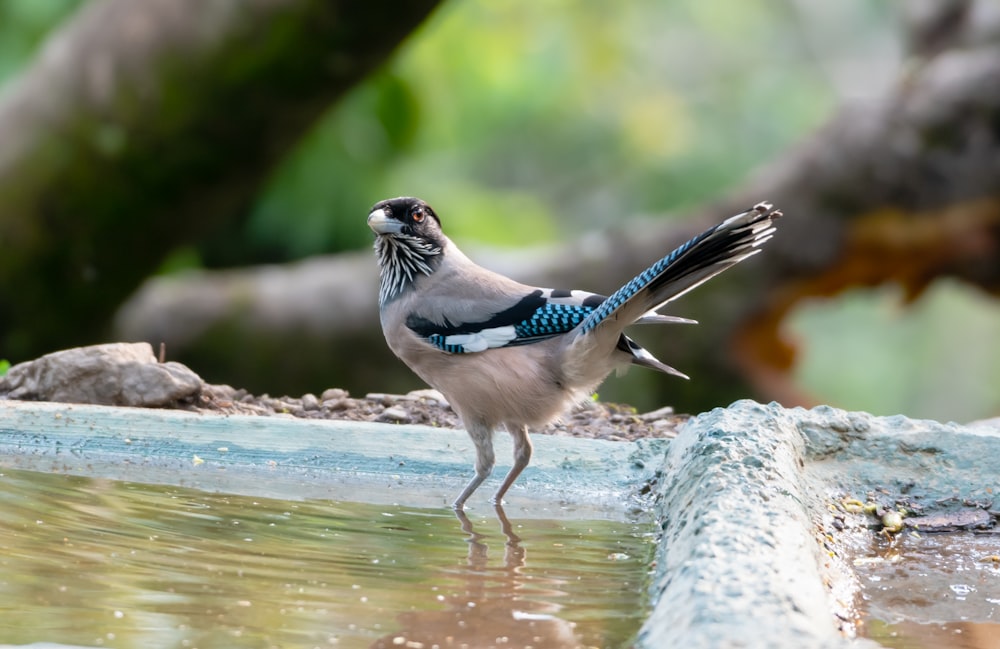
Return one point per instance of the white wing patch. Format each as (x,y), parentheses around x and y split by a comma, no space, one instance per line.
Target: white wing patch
(482,340)
(575,298)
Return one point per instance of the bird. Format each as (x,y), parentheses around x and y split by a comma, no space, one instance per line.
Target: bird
(511,355)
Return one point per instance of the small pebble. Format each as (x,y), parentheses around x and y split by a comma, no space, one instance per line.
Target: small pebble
(310,402)
(604,432)
(394,414)
(337,404)
(383,398)
(664,424)
(659,413)
(590,419)
(333,394)
(429,394)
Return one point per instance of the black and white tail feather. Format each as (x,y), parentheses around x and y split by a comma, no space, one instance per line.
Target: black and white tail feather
(689,265)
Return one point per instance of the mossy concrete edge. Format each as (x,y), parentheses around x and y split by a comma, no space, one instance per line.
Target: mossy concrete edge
(744,502)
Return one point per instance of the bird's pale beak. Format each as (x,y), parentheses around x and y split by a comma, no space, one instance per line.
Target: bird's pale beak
(380,223)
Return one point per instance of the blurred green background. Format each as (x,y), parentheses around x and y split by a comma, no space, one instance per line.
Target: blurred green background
(526,122)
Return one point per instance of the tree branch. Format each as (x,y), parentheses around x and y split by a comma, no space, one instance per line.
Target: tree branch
(142,125)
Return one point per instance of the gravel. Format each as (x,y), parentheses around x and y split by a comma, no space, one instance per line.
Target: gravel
(590,419)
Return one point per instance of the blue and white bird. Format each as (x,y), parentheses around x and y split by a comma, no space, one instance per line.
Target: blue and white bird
(507,354)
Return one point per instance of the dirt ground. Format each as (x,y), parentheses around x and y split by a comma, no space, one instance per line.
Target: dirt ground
(592,419)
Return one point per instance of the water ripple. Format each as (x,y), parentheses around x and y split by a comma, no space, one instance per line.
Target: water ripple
(93,562)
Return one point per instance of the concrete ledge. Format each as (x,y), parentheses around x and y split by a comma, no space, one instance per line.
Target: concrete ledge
(292,458)
(747,557)
(739,564)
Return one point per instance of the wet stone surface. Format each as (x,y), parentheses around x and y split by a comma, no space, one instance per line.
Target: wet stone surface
(931,590)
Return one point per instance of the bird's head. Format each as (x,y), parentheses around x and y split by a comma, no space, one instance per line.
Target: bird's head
(408,243)
(406,216)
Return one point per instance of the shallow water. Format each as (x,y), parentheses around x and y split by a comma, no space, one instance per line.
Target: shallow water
(97,562)
(924,591)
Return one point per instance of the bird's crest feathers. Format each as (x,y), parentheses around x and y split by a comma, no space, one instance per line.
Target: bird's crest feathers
(408,244)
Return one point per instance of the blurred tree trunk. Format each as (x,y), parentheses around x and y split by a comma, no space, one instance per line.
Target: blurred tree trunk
(905,189)
(141,125)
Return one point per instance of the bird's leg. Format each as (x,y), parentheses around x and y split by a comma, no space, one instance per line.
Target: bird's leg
(522,455)
(482,436)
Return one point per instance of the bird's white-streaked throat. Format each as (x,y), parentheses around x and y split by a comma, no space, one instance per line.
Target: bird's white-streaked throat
(401,258)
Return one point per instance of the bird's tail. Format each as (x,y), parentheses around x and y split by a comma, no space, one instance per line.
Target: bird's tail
(691,264)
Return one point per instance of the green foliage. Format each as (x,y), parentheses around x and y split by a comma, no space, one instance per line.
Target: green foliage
(181,259)
(528,122)
(549,114)
(4,366)
(23,25)
(521,120)
(317,201)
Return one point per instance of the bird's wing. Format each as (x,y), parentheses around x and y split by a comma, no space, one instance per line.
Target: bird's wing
(538,315)
(534,316)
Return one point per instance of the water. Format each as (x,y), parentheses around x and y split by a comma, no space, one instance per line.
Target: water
(96,562)
(939,591)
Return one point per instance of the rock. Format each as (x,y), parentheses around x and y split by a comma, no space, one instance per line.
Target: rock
(395,415)
(965,519)
(334,405)
(661,425)
(221,393)
(310,402)
(427,394)
(115,374)
(659,413)
(333,394)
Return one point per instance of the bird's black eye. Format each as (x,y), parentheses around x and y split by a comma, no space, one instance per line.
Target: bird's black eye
(418,215)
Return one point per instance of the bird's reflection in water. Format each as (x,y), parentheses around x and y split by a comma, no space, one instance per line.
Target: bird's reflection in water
(489,609)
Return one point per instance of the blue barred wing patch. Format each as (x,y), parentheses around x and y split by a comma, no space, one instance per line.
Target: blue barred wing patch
(552,320)
(538,316)
(441,342)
